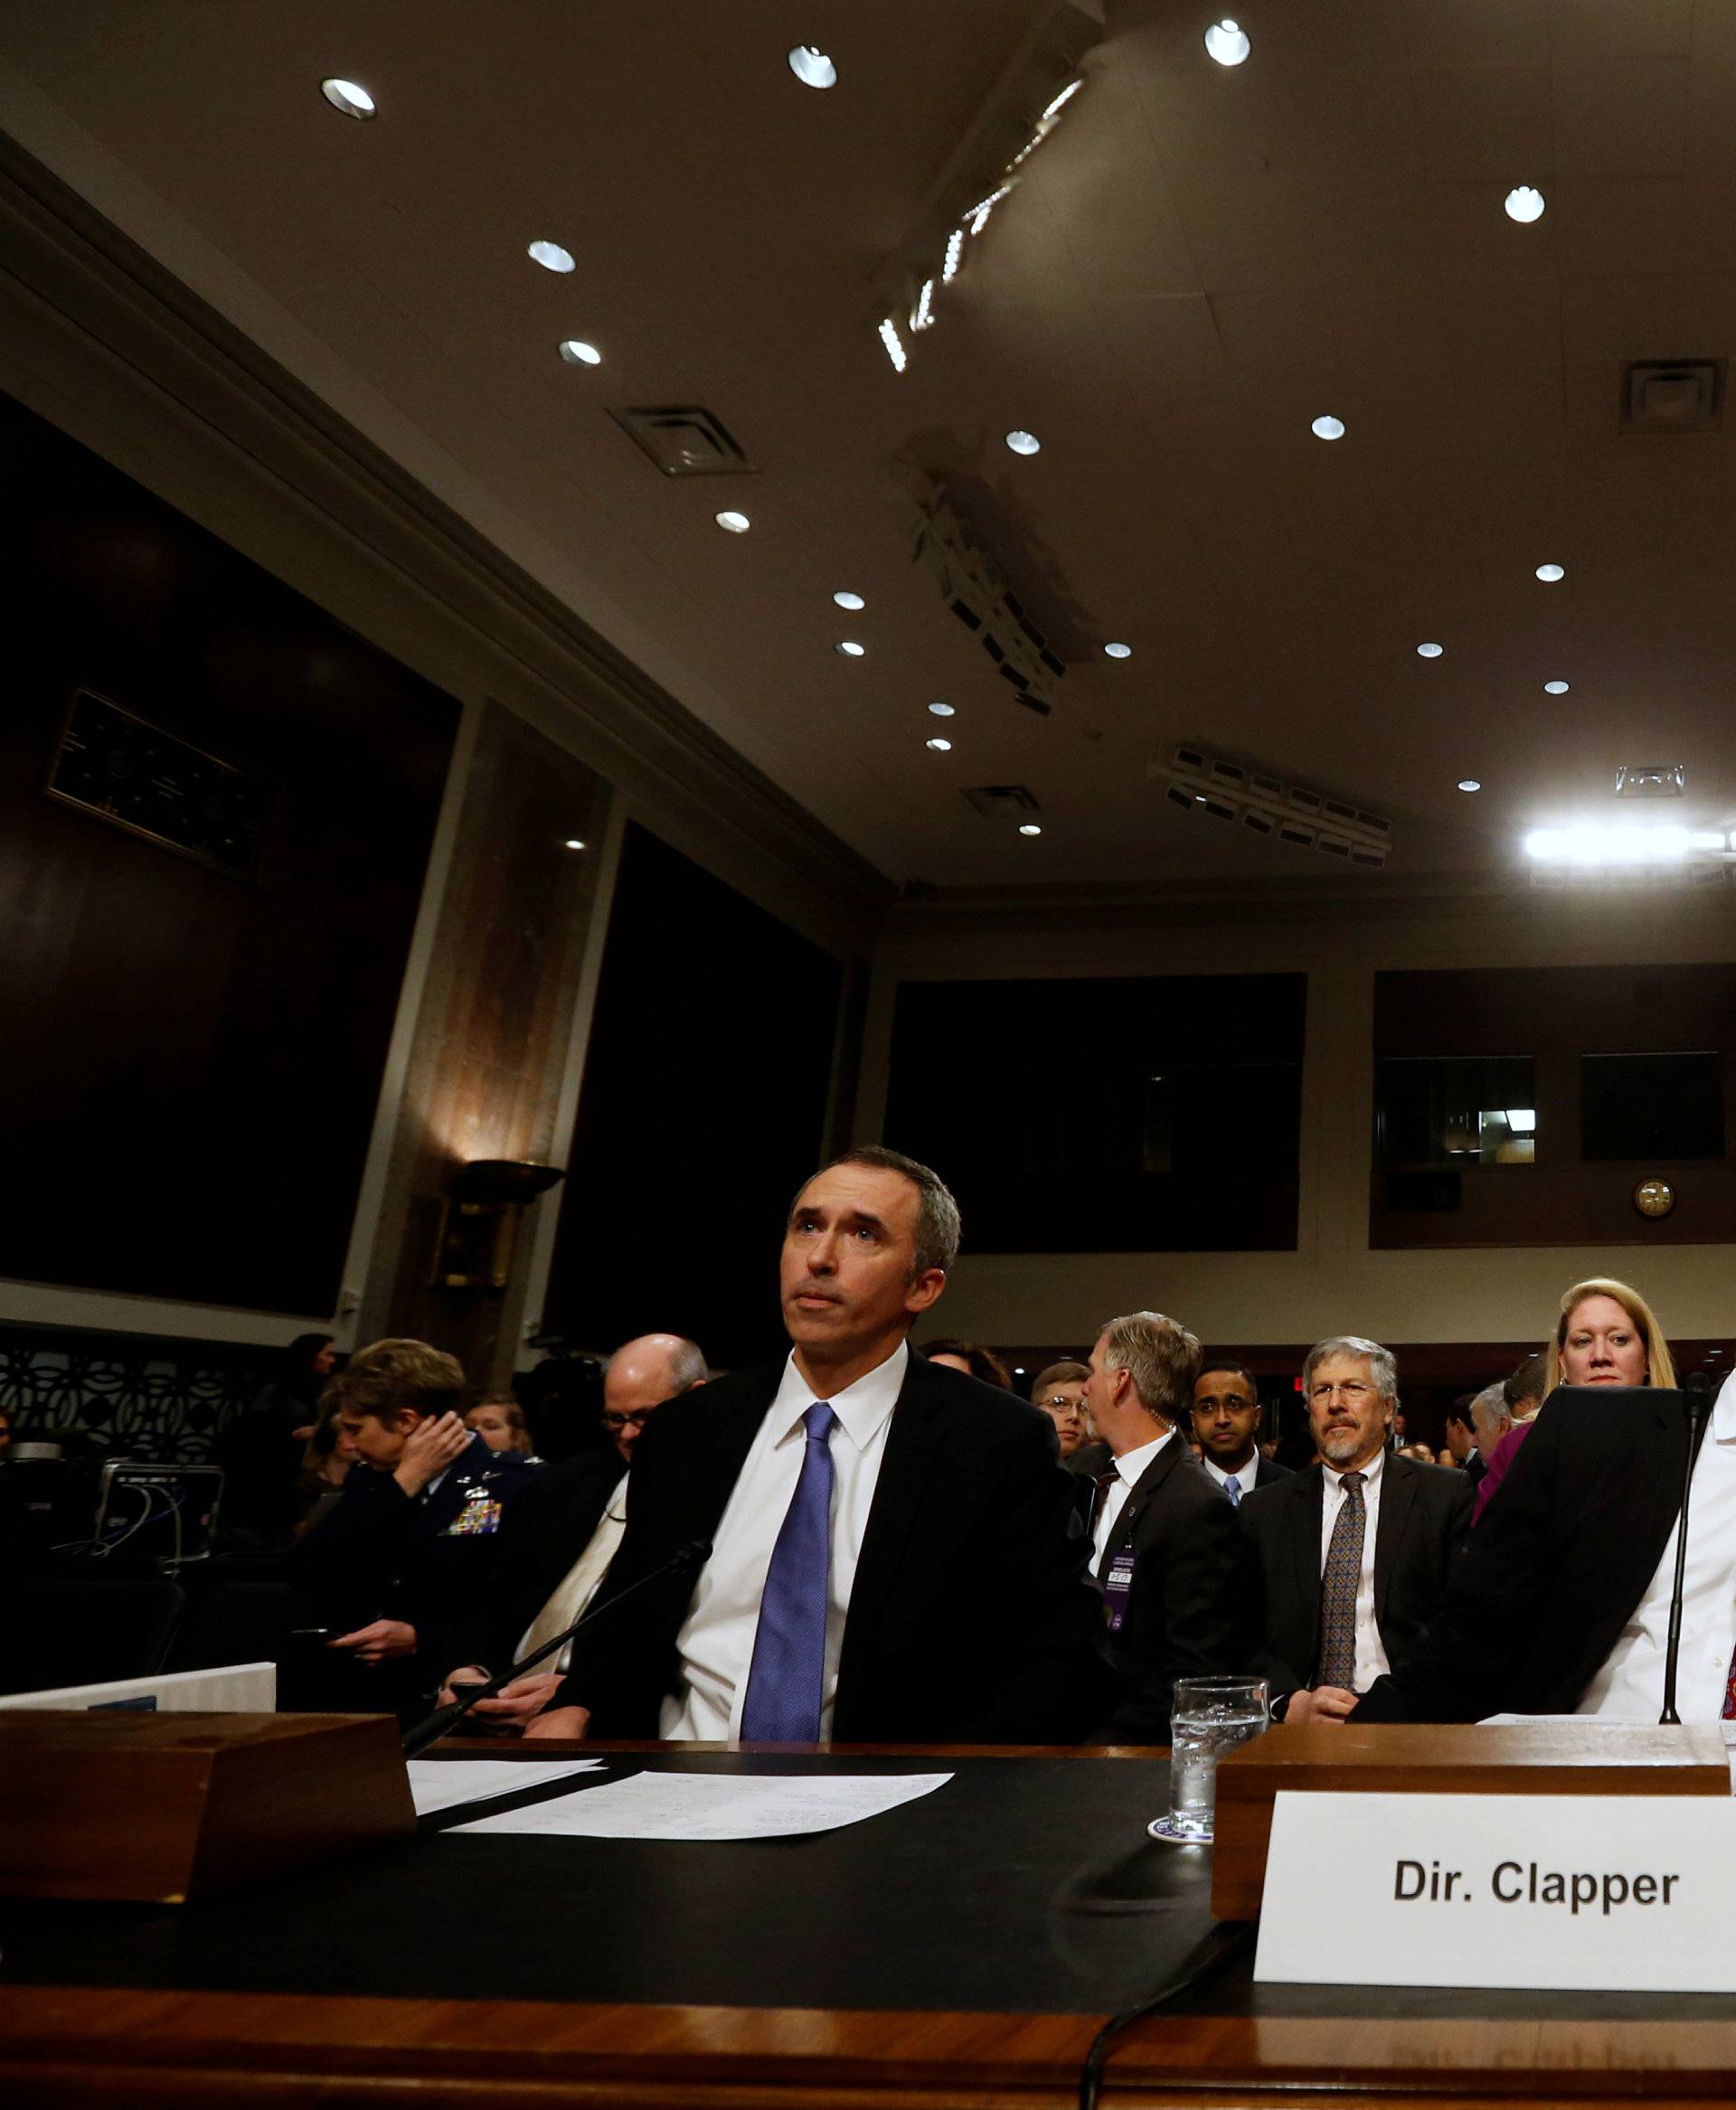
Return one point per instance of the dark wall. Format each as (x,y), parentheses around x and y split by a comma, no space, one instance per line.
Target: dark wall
(191,1061)
(703,1110)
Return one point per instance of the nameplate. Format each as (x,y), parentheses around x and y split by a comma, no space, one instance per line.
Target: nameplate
(1598,1893)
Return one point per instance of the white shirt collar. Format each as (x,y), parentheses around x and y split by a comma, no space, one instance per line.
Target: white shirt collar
(862,1408)
(1370,1472)
(1222,1477)
(1131,1463)
(1724,1412)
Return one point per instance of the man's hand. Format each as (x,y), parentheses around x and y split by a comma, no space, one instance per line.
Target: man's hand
(571,1722)
(374,1644)
(1325,1703)
(429,1450)
(517,1705)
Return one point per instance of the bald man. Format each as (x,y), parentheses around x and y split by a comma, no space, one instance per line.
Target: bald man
(581,1503)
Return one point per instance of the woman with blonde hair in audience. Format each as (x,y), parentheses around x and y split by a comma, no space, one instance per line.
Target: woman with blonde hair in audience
(500,1423)
(1607,1334)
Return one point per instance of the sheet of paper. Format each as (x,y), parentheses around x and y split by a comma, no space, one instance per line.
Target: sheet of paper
(442,1783)
(716,1805)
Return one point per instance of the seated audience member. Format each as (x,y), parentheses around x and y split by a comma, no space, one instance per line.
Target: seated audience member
(1059,1392)
(893,1553)
(560,1541)
(500,1423)
(1419,1452)
(981,1363)
(325,1463)
(261,1450)
(1178,1598)
(1226,1423)
(1461,1439)
(1561,1604)
(1354,1554)
(414,1538)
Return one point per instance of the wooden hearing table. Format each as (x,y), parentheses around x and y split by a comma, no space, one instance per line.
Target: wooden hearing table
(956,1954)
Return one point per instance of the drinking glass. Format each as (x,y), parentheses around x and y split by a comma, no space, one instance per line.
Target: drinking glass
(1207,1717)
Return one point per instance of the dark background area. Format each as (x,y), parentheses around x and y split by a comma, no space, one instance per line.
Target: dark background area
(703,1110)
(191,1062)
(1148,1115)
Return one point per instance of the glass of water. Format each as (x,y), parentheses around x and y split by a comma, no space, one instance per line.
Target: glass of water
(1208,1718)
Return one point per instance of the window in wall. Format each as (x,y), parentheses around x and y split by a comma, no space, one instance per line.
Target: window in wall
(1651,1106)
(1451,1112)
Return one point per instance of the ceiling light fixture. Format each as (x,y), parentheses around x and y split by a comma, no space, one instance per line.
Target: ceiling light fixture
(894,347)
(1469,783)
(849,600)
(922,314)
(1024,442)
(1554,688)
(736,523)
(851,649)
(577,352)
(1327,428)
(1118,651)
(940,746)
(1061,101)
(954,256)
(1550,573)
(1227,42)
(1429,651)
(574,843)
(812,67)
(941,710)
(1524,204)
(552,256)
(1029,828)
(1585,842)
(348,96)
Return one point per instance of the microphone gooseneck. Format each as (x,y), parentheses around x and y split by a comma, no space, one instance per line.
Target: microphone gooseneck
(433,1727)
(1697,1396)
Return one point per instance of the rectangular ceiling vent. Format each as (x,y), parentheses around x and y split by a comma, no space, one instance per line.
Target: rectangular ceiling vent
(1221,789)
(684,440)
(1672,395)
(1651,779)
(975,592)
(1003,802)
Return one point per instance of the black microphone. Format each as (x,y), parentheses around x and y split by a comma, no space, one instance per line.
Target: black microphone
(433,1727)
(1697,1396)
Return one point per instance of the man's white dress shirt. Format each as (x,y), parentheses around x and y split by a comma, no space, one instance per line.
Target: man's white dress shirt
(1244,1477)
(1371,1657)
(1128,1466)
(716,1639)
(580,1583)
(1629,1687)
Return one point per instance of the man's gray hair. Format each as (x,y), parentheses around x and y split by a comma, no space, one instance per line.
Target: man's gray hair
(1382,1369)
(936,1216)
(1489,1409)
(1160,1355)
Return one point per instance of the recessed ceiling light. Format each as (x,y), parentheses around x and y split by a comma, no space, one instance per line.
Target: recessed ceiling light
(894,344)
(941,747)
(1429,651)
(851,649)
(1327,428)
(552,256)
(1554,688)
(348,96)
(574,843)
(577,352)
(1524,204)
(1469,783)
(1029,828)
(736,523)
(1550,573)
(941,710)
(812,67)
(1023,442)
(1118,651)
(1227,42)
(849,600)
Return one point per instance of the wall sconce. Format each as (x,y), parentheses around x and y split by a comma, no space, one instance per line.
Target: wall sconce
(479,1221)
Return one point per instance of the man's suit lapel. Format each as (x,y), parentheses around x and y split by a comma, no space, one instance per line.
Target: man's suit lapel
(1306,1505)
(1397,1497)
(727,1434)
(1140,1499)
(911,1477)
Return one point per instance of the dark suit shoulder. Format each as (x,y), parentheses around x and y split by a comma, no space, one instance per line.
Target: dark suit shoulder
(988,1413)
(1270,1471)
(1273,1501)
(1446,1487)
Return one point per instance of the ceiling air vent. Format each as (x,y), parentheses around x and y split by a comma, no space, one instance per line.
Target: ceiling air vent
(683,441)
(1223,789)
(1651,779)
(1003,802)
(1672,395)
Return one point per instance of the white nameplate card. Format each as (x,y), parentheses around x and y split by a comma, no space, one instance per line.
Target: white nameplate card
(1593,1893)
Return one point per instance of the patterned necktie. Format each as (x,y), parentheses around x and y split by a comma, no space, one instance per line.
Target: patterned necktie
(1103,1482)
(786,1682)
(1232,1488)
(1338,1586)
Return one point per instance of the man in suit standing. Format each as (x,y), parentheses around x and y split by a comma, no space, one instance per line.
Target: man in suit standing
(563,1536)
(1356,1553)
(1461,1437)
(1226,1425)
(1177,1589)
(892,1554)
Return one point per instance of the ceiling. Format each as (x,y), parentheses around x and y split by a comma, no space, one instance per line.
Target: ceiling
(1198,262)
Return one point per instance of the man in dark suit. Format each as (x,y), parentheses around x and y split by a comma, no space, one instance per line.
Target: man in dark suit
(1461,1437)
(893,1556)
(1561,1603)
(1354,1554)
(562,1538)
(1178,1598)
(1226,1426)
(415,1536)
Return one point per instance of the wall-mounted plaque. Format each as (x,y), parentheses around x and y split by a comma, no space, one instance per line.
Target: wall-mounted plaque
(111,763)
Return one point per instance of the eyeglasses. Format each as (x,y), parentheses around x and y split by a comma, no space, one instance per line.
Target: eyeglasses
(615,1423)
(1351,1395)
(1058,1403)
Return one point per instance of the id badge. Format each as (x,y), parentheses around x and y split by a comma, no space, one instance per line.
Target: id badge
(1118,1582)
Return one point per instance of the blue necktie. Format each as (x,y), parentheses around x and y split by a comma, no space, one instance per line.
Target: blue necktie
(1232,1488)
(787,1684)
